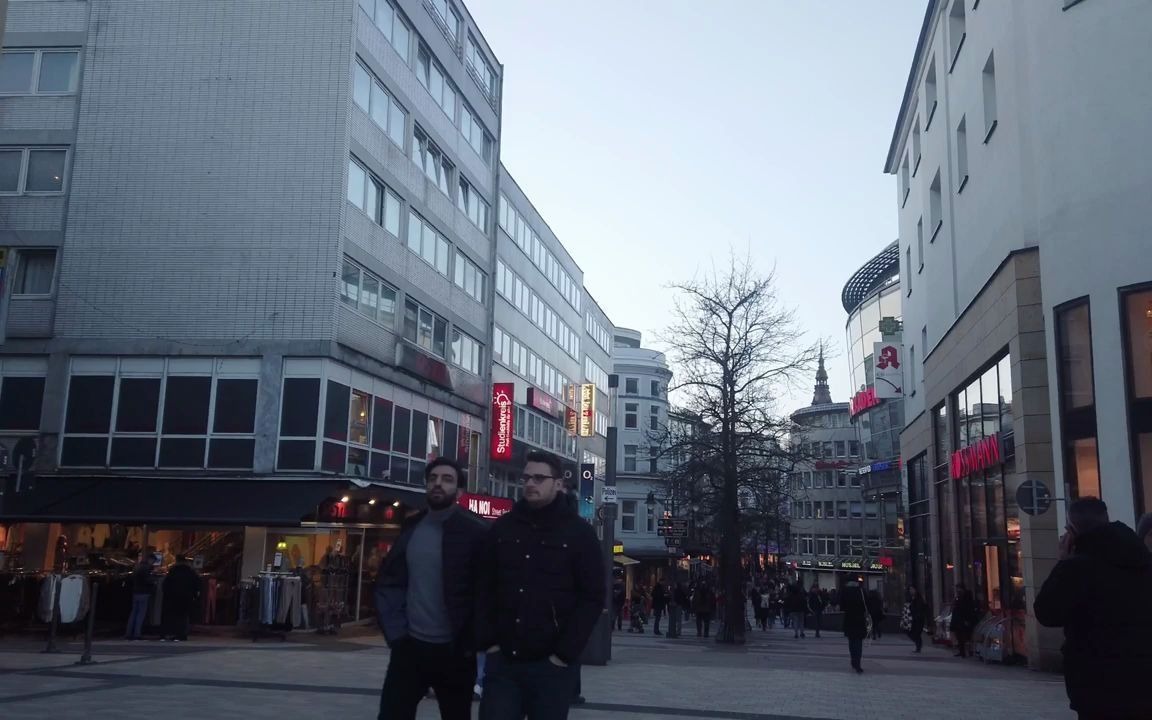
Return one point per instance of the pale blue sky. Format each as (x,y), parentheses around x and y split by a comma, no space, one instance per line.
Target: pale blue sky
(654,135)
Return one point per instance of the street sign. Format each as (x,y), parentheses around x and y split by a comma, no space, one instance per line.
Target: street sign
(1033,497)
(608,495)
(672,532)
(673,542)
(672,522)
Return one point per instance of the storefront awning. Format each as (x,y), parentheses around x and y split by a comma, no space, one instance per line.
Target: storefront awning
(625,560)
(184,501)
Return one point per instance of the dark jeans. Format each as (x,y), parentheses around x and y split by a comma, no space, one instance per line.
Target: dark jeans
(817,617)
(537,690)
(416,666)
(703,623)
(917,636)
(619,618)
(855,650)
(657,613)
(136,619)
(963,643)
(174,623)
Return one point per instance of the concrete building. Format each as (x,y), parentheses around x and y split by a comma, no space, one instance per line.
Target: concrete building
(642,421)
(834,529)
(871,297)
(1026,290)
(252,275)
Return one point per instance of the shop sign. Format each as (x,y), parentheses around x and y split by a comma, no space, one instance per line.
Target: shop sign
(486,506)
(976,457)
(571,417)
(864,470)
(884,465)
(587,410)
(863,400)
(888,375)
(503,419)
(806,563)
(825,564)
(851,565)
(831,464)
(543,402)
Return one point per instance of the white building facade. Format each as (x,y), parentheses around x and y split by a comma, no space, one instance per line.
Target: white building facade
(1026,292)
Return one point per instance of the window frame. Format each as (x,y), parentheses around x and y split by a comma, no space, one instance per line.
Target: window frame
(436,319)
(37,66)
(25,165)
(382,284)
(21,270)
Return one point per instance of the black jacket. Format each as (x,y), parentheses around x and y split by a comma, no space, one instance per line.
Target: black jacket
(855,611)
(815,602)
(917,611)
(543,584)
(181,589)
(965,614)
(1102,597)
(659,597)
(463,534)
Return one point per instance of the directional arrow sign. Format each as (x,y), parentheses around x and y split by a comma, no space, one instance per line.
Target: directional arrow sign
(672,532)
(673,542)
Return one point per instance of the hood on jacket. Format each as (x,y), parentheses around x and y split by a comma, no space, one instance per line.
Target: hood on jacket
(1115,544)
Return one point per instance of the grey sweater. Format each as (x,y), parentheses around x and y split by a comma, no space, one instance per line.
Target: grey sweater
(427,613)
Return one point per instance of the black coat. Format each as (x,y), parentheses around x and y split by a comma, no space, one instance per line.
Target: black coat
(965,614)
(464,532)
(543,584)
(918,611)
(659,597)
(1102,597)
(181,589)
(855,612)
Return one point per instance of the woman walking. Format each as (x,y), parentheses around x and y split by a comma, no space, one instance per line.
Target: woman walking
(915,613)
(855,610)
(964,619)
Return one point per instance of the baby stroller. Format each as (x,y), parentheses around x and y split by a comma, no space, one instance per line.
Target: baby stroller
(636,613)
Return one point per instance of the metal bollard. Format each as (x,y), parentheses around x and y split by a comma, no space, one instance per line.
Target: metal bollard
(86,658)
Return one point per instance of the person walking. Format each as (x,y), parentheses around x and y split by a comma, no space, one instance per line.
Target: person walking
(659,606)
(913,617)
(965,616)
(855,610)
(703,605)
(1100,592)
(424,602)
(760,599)
(816,606)
(876,612)
(540,596)
(181,590)
(797,607)
(619,596)
(142,585)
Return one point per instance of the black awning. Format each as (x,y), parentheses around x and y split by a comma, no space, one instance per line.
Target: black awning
(184,501)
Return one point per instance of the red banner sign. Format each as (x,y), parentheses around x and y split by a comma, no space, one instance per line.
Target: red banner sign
(863,400)
(503,418)
(486,506)
(543,402)
(976,457)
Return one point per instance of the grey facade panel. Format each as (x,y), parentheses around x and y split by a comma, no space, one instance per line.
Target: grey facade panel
(58,17)
(33,212)
(38,120)
(30,318)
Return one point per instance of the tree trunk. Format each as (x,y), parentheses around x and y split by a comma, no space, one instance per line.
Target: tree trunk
(731,577)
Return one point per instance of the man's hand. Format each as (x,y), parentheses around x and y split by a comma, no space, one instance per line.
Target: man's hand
(1067,542)
(557,661)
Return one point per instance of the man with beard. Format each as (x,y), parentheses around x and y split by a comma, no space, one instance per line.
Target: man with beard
(542,590)
(425,602)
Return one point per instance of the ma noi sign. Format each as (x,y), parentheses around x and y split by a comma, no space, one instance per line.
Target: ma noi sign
(503,417)
(976,457)
(486,506)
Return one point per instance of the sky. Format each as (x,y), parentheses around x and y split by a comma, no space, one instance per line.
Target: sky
(657,136)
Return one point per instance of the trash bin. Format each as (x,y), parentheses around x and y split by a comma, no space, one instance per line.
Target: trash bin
(996,645)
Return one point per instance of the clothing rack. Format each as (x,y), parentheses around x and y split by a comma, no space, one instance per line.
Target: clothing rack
(332,597)
(270,604)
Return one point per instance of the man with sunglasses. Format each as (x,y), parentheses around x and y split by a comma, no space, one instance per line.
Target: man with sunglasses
(542,589)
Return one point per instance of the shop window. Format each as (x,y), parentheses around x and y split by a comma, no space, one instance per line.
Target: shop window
(401,429)
(336,412)
(131,452)
(235,406)
(333,456)
(89,404)
(182,452)
(138,405)
(228,453)
(1138,341)
(382,427)
(20,401)
(186,401)
(300,407)
(419,437)
(297,455)
(1077,399)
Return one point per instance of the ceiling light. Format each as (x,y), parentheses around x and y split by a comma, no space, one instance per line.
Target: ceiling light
(344,499)
(396,504)
(372,501)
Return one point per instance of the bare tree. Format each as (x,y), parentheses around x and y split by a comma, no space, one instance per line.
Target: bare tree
(735,346)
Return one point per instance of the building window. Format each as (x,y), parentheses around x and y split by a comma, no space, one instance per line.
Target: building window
(436,82)
(916,147)
(920,243)
(912,369)
(481,69)
(391,25)
(465,351)
(956,29)
(469,277)
(445,16)
(930,95)
(369,93)
(653,418)
(156,412)
(841,449)
(471,204)
(655,387)
(32,170)
(905,184)
(425,328)
(854,448)
(39,72)
(630,458)
(844,545)
(427,243)
(908,264)
(474,134)
(527,240)
(989,81)
(1138,341)
(871,510)
(856,509)
(962,154)
(935,208)
(35,271)
(853,479)
(367,294)
(1077,399)
(433,162)
(841,509)
(631,386)
(631,411)
(367,193)
(628,516)
(653,460)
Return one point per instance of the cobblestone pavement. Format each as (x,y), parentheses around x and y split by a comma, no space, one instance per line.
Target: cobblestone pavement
(772,678)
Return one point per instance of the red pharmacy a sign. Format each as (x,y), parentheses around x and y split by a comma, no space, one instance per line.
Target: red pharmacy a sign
(976,457)
(503,418)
